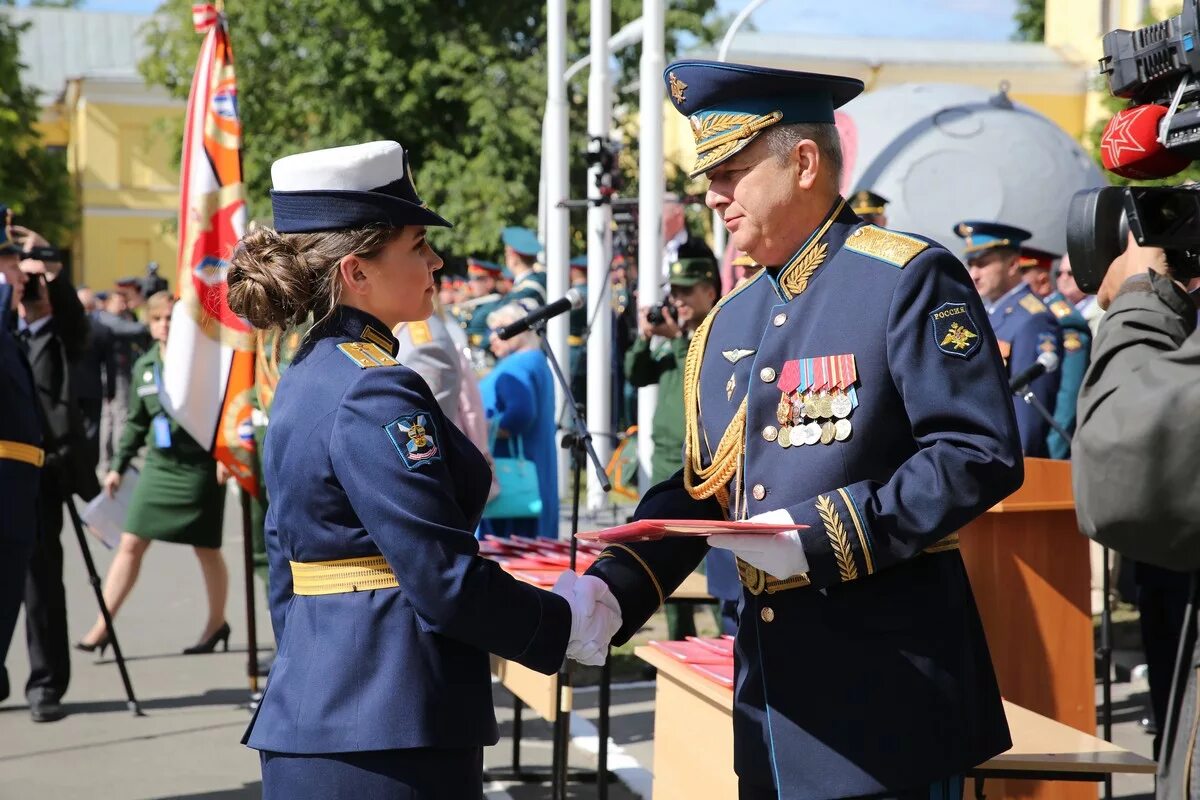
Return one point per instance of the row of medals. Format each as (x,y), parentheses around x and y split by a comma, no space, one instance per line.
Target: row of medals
(826,414)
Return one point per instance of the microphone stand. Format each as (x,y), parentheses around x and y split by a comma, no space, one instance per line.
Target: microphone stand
(1104,651)
(579,442)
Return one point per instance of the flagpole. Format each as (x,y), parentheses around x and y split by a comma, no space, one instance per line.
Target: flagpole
(247,527)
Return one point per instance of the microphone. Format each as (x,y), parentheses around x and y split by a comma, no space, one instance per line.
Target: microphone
(1046,362)
(572,300)
(1130,147)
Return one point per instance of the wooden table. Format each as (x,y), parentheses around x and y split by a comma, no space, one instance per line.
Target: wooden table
(693,742)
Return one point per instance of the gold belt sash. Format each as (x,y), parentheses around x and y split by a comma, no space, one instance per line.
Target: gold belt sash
(342,576)
(757,581)
(25,453)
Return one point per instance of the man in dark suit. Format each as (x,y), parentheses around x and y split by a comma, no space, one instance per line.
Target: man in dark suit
(21,453)
(48,308)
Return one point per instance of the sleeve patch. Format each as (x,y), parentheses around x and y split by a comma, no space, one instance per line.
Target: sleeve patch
(1046,343)
(415,438)
(1072,341)
(954,332)
(887,246)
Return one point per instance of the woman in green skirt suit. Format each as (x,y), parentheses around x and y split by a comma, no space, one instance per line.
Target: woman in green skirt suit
(179,496)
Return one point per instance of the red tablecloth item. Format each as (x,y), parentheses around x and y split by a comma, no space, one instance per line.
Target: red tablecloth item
(649,530)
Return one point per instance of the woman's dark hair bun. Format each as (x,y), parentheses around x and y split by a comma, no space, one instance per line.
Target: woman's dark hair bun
(269,283)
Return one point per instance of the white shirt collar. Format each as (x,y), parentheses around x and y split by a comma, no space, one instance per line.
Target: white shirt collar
(35,326)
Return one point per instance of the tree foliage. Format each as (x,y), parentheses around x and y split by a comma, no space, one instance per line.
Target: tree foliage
(34,180)
(1030,17)
(461,84)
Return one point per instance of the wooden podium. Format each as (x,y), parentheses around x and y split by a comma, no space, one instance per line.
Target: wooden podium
(1030,572)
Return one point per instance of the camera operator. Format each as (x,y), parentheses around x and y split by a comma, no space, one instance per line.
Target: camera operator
(1134,466)
(657,357)
(21,453)
(51,317)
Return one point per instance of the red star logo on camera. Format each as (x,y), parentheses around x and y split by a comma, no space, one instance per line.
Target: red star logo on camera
(1117,139)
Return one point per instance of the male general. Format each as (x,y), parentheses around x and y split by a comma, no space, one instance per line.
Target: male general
(852,387)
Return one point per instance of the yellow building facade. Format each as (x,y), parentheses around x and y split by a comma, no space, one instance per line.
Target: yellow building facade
(122,152)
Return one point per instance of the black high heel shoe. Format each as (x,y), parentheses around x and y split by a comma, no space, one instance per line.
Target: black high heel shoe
(90,647)
(221,635)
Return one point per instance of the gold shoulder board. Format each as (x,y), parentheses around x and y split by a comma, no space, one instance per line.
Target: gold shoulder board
(887,246)
(367,355)
(1060,308)
(419,333)
(1032,304)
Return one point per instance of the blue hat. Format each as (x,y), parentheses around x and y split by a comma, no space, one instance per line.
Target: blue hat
(347,187)
(578,262)
(981,236)
(522,240)
(7,245)
(730,104)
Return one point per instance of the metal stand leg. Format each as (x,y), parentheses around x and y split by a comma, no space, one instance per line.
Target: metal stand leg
(602,753)
(94,579)
(979,795)
(516,753)
(1106,663)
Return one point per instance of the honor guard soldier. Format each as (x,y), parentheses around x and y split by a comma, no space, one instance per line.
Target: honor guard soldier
(1023,325)
(383,610)
(852,388)
(21,454)
(870,206)
(483,300)
(521,248)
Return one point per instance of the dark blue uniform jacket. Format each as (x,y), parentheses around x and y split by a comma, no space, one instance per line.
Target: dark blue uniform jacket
(348,477)
(869,673)
(1025,328)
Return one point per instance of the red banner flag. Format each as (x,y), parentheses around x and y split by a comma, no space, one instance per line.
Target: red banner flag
(208,368)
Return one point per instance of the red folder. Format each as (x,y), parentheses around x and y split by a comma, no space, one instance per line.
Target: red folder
(722,646)
(717,673)
(691,653)
(649,530)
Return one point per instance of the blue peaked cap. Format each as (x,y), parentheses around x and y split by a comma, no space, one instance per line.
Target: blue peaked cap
(980,236)
(728,105)
(522,240)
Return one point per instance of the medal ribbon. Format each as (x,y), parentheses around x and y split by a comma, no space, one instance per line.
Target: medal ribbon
(789,376)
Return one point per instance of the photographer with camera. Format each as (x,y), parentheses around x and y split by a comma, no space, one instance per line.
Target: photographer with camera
(657,357)
(1134,451)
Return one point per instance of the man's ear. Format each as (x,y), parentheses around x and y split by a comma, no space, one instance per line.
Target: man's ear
(806,161)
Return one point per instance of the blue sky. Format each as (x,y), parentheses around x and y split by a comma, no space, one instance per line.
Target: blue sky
(915,19)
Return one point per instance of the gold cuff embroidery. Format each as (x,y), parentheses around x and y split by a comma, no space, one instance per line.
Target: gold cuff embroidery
(653,578)
(837,536)
(858,527)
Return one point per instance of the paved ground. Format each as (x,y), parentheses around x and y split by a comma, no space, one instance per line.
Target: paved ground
(187,745)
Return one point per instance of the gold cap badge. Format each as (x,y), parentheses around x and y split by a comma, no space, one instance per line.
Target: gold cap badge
(678,88)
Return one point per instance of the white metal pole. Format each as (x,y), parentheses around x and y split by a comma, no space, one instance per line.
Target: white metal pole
(556,243)
(651,185)
(599,238)
(722,55)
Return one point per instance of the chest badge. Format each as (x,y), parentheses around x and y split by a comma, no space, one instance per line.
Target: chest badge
(954,332)
(415,439)
(734,356)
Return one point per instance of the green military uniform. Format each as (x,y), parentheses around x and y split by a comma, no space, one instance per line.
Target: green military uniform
(1077,352)
(529,290)
(177,498)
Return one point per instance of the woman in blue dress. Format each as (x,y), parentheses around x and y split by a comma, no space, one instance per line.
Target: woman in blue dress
(518,395)
(384,612)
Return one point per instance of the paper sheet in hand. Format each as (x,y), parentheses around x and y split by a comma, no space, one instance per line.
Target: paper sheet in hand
(649,530)
(105,516)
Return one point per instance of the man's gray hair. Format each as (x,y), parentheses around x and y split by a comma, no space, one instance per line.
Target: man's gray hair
(782,139)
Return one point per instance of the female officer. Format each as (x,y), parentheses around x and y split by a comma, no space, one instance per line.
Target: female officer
(384,612)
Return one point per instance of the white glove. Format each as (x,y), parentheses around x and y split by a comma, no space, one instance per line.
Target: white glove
(595,616)
(780,555)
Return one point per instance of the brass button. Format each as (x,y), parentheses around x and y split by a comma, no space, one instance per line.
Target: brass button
(759,491)
(767,375)
(770,433)
(767,614)
(780,318)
